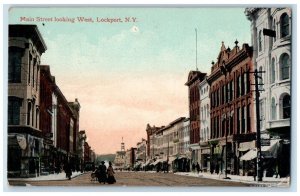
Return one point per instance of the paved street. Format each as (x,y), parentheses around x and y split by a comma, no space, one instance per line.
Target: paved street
(135,179)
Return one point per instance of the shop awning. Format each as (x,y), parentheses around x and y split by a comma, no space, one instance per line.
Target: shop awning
(148,162)
(244,146)
(266,151)
(252,154)
(271,151)
(157,161)
(138,164)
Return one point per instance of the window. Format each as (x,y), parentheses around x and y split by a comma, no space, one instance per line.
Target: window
(37,76)
(243,119)
(36,118)
(231,126)
(201,113)
(248,118)
(14,104)
(224,93)
(223,128)
(284,25)
(29,68)
(286,106)
(285,66)
(273,109)
(238,86)
(274,29)
(261,81)
(28,113)
(14,64)
(272,71)
(259,41)
(212,124)
(230,90)
(247,82)
(33,69)
(207,110)
(238,120)
(262,114)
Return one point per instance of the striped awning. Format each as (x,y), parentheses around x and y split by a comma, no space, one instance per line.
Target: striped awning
(266,151)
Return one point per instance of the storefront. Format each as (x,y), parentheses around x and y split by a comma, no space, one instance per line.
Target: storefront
(24,155)
(275,159)
(216,158)
(205,159)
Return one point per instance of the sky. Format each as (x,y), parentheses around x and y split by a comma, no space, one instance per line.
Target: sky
(128,74)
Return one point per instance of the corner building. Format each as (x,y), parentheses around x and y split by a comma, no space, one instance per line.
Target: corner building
(272,54)
(25,140)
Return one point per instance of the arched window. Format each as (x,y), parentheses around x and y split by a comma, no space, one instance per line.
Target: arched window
(274,29)
(201,112)
(273,109)
(272,71)
(284,25)
(285,66)
(286,106)
(207,111)
(259,41)
(37,118)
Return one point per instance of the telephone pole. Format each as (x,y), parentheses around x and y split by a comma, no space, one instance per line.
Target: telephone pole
(258,140)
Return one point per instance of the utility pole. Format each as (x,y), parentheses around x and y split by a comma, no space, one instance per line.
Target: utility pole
(258,142)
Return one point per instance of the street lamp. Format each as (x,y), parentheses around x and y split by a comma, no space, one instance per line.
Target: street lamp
(224,72)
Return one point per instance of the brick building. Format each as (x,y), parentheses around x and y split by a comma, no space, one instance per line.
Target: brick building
(231,112)
(47,87)
(87,152)
(194,79)
(151,131)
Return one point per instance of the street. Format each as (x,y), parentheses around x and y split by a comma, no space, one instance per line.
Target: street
(134,179)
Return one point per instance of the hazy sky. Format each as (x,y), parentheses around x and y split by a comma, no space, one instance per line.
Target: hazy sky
(128,74)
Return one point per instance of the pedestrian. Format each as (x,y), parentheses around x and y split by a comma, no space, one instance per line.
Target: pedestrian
(101,173)
(110,174)
(68,170)
(198,167)
(193,167)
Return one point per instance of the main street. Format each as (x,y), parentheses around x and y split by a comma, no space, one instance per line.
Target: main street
(134,179)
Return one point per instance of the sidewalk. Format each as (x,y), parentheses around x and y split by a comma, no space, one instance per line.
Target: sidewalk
(267,181)
(60,176)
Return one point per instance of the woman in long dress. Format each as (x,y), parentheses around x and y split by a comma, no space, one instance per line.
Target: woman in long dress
(110,174)
(101,173)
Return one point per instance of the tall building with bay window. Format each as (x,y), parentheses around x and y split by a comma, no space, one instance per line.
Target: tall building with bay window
(25,142)
(271,33)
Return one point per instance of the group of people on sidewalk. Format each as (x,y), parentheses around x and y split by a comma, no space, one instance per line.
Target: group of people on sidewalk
(105,175)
